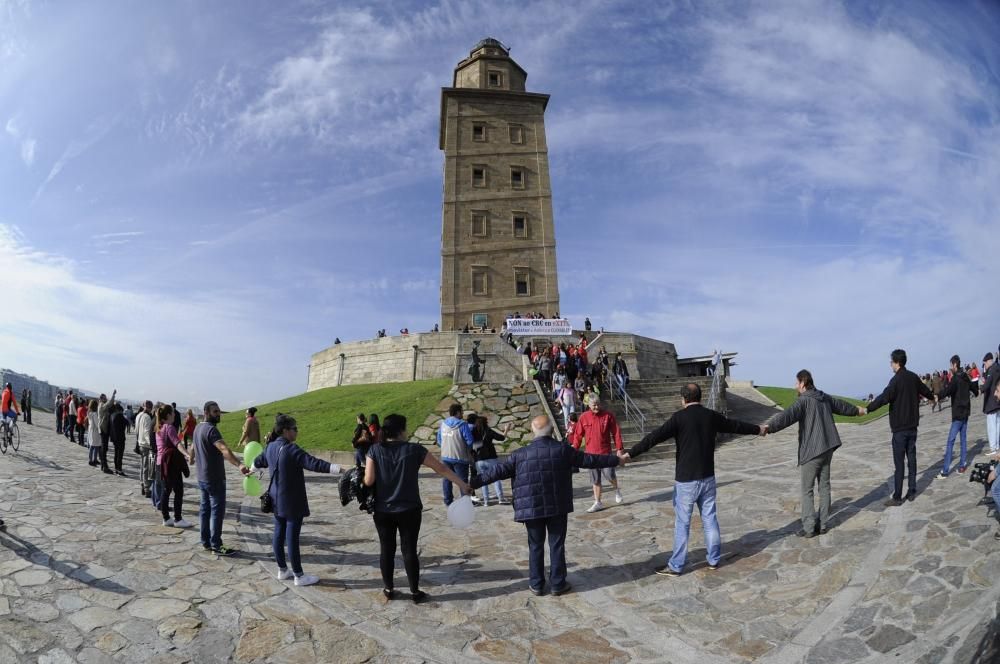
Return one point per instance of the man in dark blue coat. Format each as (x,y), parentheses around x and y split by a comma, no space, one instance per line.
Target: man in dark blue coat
(543,498)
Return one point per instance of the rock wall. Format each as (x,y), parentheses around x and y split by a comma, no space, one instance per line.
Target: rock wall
(386,360)
(501,403)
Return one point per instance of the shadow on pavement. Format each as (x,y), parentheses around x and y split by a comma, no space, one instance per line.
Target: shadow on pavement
(33,554)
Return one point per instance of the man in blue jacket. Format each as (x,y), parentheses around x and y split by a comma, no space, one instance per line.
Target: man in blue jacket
(454,437)
(543,498)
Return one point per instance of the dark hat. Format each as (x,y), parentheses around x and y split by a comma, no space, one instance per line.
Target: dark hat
(988,356)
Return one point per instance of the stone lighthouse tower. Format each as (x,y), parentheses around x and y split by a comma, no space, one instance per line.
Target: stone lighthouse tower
(498,246)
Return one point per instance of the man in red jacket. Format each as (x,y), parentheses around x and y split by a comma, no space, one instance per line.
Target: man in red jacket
(599,427)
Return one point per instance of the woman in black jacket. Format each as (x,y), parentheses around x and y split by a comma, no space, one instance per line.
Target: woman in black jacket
(485,454)
(392,468)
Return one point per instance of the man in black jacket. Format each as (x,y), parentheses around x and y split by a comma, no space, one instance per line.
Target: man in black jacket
(958,388)
(903,396)
(543,498)
(696,429)
(991,405)
(818,438)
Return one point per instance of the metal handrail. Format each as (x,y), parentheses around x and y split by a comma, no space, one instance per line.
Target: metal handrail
(632,412)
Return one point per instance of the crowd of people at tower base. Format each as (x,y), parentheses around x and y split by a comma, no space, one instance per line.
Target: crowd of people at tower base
(540,473)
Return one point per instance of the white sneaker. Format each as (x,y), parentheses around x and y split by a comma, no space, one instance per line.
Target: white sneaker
(476,501)
(596,507)
(618,498)
(169,523)
(182,524)
(284,574)
(306,580)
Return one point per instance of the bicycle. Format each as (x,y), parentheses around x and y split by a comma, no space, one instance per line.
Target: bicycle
(10,437)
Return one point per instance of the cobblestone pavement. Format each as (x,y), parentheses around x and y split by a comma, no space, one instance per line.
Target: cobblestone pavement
(88,573)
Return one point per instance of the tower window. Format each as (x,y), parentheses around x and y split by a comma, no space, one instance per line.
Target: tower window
(521,285)
(520,225)
(480,280)
(480,321)
(478,176)
(479,223)
(479,132)
(516,134)
(495,78)
(517,178)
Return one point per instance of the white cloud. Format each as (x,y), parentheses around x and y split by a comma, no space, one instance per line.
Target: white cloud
(27,144)
(95,133)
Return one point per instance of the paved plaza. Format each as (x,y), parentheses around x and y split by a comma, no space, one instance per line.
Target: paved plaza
(89,575)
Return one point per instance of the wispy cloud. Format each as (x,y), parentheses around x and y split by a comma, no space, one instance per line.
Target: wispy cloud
(119,234)
(76,148)
(27,143)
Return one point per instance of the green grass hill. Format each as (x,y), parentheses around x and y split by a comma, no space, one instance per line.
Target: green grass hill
(326,417)
(785,396)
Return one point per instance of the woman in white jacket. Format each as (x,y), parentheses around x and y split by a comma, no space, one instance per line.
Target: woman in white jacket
(93,433)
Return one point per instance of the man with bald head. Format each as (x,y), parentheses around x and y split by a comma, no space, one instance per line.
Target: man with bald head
(543,498)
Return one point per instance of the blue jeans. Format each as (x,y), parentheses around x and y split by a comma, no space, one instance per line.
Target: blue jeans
(481,467)
(555,528)
(904,445)
(213,509)
(359,456)
(957,427)
(686,496)
(286,532)
(461,469)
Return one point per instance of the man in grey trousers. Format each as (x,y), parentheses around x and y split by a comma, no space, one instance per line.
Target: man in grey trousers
(818,438)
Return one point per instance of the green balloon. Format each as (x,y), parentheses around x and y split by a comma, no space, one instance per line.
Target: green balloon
(251,486)
(251,452)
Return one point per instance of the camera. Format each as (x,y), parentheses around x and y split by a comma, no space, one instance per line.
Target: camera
(981,471)
(352,487)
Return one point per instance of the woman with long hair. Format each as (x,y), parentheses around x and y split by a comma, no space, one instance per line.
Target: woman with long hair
(375,429)
(286,461)
(362,440)
(94,434)
(392,468)
(173,462)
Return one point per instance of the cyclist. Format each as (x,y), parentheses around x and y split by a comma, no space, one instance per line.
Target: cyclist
(8,406)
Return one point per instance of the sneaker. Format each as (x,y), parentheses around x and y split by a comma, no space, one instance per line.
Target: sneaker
(206,547)
(596,507)
(618,498)
(910,497)
(419,597)
(942,474)
(961,469)
(666,571)
(504,501)
(893,502)
(182,524)
(224,551)
(169,523)
(537,592)
(996,535)
(283,574)
(306,580)
(476,501)
(562,591)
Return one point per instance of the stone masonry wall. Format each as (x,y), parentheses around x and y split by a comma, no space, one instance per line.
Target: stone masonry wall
(386,360)
(514,403)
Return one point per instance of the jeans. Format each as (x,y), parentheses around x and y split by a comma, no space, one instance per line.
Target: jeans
(176,485)
(460,468)
(993,431)
(958,427)
(408,525)
(359,456)
(481,467)
(146,462)
(105,438)
(80,430)
(286,532)
(119,454)
(813,471)
(555,528)
(686,495)
(94,457)
(213,509)
(904,445)
(59,421)
(995,490)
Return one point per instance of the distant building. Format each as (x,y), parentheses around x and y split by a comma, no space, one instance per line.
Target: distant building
(498,247)
(43,394)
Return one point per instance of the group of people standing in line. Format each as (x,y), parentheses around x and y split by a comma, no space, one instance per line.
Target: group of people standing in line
(540,472)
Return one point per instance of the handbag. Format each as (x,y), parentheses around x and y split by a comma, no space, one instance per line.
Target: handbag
(266,502)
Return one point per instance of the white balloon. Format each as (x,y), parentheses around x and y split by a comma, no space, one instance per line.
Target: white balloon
(462,513)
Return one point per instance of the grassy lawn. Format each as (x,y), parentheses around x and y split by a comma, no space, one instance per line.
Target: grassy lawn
(326,417)
(785,396)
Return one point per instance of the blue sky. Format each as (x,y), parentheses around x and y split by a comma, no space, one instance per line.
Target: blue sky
(194,197)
